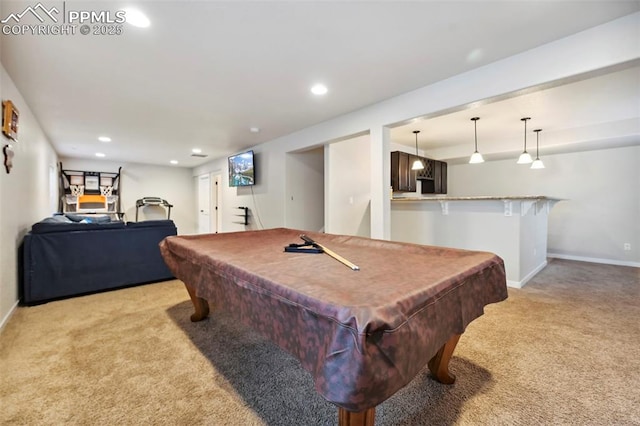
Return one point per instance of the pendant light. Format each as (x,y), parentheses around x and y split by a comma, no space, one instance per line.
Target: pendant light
(525,158)
(476,157)
(417,164)
(537,163)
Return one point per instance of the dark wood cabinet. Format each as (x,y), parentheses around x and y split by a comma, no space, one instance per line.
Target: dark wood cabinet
(435,182)
(427,172)
(402,177)
(440,177)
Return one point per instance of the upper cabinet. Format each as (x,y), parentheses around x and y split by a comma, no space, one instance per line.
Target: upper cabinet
(437,183)
(403,179)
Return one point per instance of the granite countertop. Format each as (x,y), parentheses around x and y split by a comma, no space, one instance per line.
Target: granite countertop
(480,198)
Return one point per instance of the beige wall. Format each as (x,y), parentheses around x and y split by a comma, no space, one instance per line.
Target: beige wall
(602,195)
(348,187)
(24,193)
(174,184)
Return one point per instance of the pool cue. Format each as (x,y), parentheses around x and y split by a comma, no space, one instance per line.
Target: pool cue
(333,254)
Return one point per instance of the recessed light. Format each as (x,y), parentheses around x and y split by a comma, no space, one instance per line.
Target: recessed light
(137,18)
(254,129)
(196,150)
(174,161)
(319,89)
(104,138)
(100,154)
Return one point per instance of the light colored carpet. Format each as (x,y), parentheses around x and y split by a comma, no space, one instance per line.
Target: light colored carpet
(564,350)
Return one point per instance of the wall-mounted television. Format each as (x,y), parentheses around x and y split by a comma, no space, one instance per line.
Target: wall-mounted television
(241,169)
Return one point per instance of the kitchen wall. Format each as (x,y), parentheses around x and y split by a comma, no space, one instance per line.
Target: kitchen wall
(24,193)
(602,193)
(174,184)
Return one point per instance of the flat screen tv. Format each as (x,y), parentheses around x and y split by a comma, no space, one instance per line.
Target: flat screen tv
(241,169)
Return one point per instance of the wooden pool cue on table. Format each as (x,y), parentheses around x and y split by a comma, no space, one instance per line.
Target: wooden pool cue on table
(333,254)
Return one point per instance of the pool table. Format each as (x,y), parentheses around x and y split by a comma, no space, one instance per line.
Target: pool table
(362,334)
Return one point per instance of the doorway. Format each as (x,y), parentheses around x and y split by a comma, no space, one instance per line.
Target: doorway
(209,196)
(204,204)
(305,190)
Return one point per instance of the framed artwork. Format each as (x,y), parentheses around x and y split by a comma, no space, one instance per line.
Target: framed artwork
(10,117)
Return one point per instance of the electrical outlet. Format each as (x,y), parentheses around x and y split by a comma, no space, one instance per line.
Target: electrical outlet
(627,246)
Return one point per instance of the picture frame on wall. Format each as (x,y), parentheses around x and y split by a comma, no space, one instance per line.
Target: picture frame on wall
(10,116)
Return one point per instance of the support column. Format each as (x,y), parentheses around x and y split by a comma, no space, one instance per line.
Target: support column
(380,182)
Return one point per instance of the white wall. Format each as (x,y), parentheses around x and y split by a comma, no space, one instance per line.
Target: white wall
(348,195)
(598,48)
(24,193)
(141,180)
(305,190)
(270,172)
(602,192)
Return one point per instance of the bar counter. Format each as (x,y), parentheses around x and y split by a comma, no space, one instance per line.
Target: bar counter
(513,227)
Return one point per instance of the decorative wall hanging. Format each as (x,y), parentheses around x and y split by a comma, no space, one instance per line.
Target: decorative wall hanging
(10,117)
(8,157)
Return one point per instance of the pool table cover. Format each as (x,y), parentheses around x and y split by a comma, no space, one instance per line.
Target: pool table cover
(363,334)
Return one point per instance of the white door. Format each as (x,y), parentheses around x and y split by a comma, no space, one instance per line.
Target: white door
(204,203)
(216,197)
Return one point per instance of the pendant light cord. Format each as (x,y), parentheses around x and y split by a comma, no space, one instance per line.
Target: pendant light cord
(475,133)
(525,132)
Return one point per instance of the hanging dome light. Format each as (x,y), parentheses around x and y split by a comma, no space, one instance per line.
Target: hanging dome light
(476,157)
(537,163)
(417,164)
(525,158)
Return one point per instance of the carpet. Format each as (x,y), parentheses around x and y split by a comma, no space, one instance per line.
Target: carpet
(563,350)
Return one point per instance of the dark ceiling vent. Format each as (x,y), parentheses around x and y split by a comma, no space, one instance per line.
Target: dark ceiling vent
(199,155)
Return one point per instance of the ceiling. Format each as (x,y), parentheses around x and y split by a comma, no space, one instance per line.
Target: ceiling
(204,73)
(596,112)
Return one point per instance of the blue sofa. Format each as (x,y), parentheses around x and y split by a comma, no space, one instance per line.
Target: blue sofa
(61,259)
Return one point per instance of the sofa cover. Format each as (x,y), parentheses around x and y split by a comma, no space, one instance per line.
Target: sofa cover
(64,259)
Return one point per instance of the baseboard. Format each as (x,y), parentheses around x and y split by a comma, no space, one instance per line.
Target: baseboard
(527,278)
(594,260)
(6,317)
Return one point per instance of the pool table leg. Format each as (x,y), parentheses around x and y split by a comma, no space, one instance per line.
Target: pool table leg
(439,364)
(360,418)
(201,305)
